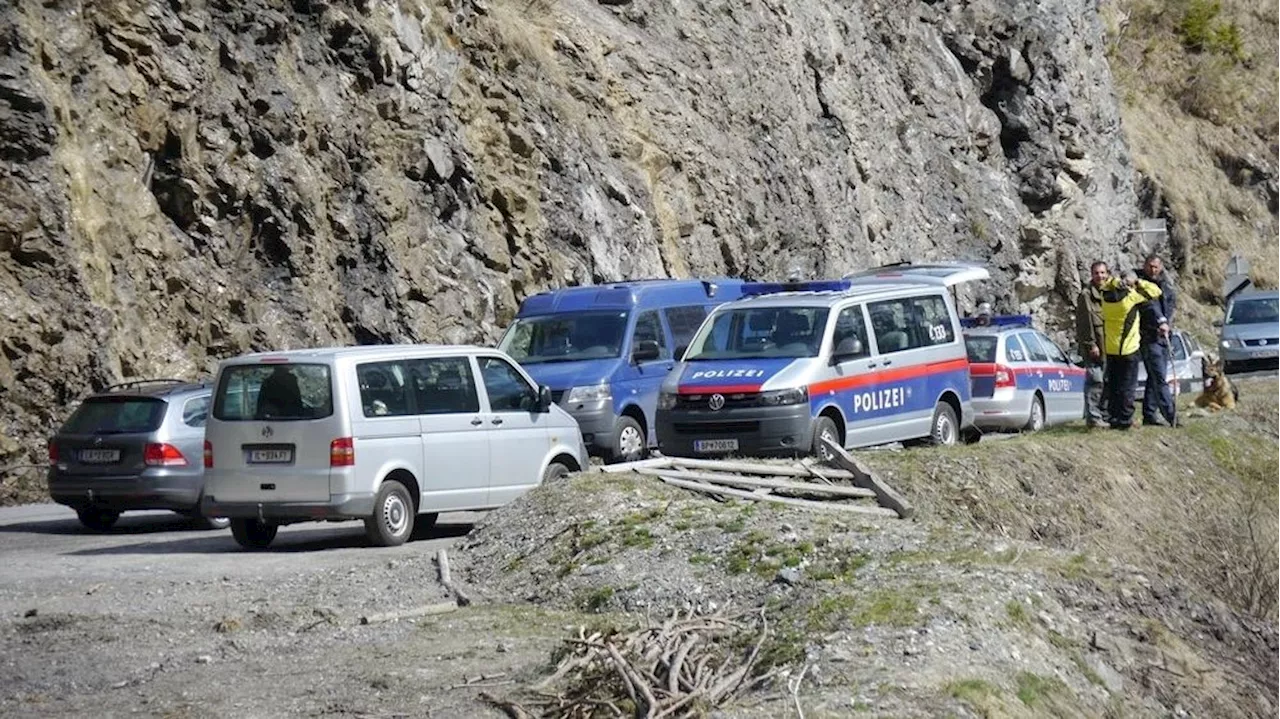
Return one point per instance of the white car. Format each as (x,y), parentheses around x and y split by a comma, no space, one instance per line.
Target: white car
(1186,371)
(392,435)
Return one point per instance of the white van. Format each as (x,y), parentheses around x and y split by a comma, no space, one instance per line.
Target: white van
(871,359)
(392,435)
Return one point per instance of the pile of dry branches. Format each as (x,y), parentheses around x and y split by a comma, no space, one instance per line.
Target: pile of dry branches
(683,667)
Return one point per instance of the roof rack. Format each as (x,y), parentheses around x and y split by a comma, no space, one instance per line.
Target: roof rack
(998,321)
(139,382)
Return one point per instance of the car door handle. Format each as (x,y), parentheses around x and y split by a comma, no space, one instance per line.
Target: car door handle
(871,365)
(496,420)
(477,422)
(888,362)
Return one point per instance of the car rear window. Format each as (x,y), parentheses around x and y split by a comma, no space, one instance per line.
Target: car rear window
(981,349)
(116,415)
(276,392)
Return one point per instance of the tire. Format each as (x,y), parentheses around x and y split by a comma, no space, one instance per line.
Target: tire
(393,515)
(1035,421)
(97,519)
(555,471)
(253,534)
(944,430)
(199,521)
(824,427)
(629,443)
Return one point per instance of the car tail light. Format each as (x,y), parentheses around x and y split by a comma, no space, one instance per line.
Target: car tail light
(162,455)
(208,454)
(342,452)
(1005,377)
(53,452)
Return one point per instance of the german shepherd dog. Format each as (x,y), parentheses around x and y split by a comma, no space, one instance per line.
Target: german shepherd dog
(1218,392)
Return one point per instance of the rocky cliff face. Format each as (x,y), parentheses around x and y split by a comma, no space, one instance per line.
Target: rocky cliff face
(191,179)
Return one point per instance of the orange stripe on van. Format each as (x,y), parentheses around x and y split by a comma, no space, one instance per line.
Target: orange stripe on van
(887,375)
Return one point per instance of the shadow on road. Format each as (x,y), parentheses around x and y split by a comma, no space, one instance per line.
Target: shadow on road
(144,524)
(345,536)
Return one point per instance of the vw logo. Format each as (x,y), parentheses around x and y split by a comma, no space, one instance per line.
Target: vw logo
(267,432)
(716,401)
(97,440)
(1262,342)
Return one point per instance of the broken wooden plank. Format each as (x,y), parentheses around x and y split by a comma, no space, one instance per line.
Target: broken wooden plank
(423,611)
(739,481)
(864,478)
(780,470)
(804,503)
(638,464)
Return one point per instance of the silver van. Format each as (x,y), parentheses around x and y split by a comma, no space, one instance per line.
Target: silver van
(392,435)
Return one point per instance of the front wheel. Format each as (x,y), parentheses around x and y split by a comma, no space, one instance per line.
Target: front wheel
(554,471)
(825,429)
(945,430)
(1035,422)
(629,443)
(393,515)
(97,519)
(253,534)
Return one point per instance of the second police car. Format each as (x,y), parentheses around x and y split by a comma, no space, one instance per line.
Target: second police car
(871,359)
(1021,379)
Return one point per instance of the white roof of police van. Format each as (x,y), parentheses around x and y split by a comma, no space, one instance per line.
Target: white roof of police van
(826,298)
(324,354)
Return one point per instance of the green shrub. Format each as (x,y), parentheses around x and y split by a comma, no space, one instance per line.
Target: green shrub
(1202,31)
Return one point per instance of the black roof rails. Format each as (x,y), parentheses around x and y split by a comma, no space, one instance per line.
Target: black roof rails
(140,382)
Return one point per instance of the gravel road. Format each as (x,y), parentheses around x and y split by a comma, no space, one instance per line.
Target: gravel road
(157,619)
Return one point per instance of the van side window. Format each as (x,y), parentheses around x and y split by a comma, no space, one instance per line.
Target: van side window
(444,385)
(684,321)
(384,391)
(1013,349)
(507,388)
(649,329)
(195,412)
(1034,351)
(932,321)
(850,339)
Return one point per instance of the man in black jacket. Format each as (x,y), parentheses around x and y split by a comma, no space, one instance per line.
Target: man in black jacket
(1157,321)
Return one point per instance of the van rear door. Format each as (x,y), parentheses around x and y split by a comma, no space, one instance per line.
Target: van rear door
(277,432)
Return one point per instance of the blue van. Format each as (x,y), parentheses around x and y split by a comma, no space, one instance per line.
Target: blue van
(605,349)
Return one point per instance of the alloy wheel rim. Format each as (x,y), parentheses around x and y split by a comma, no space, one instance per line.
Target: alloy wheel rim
(1037,417)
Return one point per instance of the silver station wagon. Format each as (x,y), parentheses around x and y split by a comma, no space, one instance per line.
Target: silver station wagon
(1021,380)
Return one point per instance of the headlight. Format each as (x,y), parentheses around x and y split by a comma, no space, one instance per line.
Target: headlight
(593,393)
(1228,343)
(797,395)
(666,400)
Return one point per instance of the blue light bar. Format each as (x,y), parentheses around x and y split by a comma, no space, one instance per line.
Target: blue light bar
(998,321)
(768,288)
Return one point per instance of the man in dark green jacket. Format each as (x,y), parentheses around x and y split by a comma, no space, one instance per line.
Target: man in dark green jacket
(1089,338)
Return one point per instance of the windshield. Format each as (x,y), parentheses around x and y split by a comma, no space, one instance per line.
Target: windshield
(1248,312)
(274,392)
(116,415)
(566,338)
(982,348)
(760,332)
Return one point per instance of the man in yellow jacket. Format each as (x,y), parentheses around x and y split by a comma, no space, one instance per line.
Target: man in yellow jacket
(1122,301)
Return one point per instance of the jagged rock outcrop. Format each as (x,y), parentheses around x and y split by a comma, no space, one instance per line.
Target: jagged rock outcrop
(186,180)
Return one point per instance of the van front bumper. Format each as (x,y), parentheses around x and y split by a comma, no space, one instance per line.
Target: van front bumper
(339,506)
(758,430)
(156,488)
(595,420)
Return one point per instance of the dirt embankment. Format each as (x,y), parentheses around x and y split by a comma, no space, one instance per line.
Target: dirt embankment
(1065,573)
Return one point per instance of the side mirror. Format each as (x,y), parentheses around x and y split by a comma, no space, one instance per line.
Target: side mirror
(849,348)
(1217,323)
(645,351)
(544,399)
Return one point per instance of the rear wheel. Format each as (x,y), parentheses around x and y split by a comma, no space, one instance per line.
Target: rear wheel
(1035,422)
(944,430)
(628,440)
(825,428)
(393,515)
(97,519)
(253,534)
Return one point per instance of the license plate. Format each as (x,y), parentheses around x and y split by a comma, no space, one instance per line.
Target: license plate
(270,456)
(99,456)
(1262,354)
(715,445)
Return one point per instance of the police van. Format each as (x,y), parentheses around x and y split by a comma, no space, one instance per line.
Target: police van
(873,358)
(604,351)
